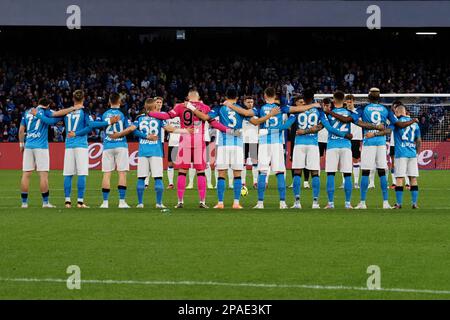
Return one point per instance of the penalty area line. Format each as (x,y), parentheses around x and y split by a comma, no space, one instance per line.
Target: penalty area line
(229,284)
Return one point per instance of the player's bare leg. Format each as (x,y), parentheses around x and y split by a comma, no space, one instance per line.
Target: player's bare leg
(43,183)
(24,186)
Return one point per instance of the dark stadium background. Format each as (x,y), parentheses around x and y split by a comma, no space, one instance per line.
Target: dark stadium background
(36,60)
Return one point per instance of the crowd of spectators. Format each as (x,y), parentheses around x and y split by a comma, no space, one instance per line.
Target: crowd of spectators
(23,80)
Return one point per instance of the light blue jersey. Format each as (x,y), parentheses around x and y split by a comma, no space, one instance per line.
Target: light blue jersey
(376,114)
(307,120)
(336,141)
(231,119)
(275,136)
(405,139)
(37,128)
(148,125)
(78,121)
(123,123)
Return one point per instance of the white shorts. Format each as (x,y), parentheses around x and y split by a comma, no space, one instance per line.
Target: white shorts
(230,157)
(339,159)
(306,156)
(406,167)
(36,159)
(373,157)
(115,158)
(76,162)
(150,165)
(271,156)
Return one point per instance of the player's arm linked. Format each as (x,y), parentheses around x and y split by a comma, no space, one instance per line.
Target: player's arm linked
(198,113)
(272,113)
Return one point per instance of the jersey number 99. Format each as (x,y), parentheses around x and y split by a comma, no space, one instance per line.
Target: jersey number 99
(307,121)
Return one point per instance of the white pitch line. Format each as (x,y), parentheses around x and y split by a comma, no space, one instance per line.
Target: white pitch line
(230,284)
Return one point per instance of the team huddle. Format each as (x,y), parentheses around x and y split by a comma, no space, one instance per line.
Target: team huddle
(243,133)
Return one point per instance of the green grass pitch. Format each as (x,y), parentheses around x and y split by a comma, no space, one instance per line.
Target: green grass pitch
(246,254)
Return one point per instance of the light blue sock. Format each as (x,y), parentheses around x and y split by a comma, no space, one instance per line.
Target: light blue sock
(140,187)
(261,186)
(348,188)
(122,192)
(67,186)
(414,194)
(45,196)
(316,187)
(237,186)
(384,187)
(281,184)
(159,189)
(330,187)
(296,186)
(24,196)
(105,193)
(364,187)
(399,195)
(220,189)
(81,186)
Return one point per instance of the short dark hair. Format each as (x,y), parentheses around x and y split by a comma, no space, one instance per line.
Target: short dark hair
(270,92)
(350,97)
(339,96)
(396,103)
(308,94)
(374,96)
(248,97)
(296,99)
(231,93)
(78,95)
(43,102)
(114,98)
(326,101)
